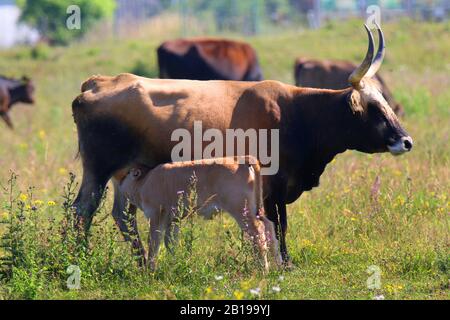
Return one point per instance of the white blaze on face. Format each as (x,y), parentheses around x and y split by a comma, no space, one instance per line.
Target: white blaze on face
(370,92)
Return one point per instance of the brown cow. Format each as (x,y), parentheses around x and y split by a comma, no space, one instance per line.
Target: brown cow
(230,184)
(129,119)
(13,91)
(333,74)
(208,59)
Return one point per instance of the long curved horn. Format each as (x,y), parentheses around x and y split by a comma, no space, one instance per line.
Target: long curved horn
(378,60)
(361,71)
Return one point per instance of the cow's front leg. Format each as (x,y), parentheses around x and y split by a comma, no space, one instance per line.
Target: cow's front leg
(7,119)
(275,207)
(127,223)
(282,216)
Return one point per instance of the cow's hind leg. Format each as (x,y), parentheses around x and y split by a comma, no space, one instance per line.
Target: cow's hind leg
(89,197)
(106,145)
(127,223)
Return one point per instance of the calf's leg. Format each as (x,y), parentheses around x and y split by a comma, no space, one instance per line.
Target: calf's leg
(127,224)
(250,225)
(171,235)
(272,241)
(155,236)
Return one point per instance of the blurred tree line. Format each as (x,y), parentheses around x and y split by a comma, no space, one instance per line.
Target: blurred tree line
(49,17)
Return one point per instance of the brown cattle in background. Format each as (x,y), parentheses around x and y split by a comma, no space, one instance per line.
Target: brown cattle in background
(333,74)
(13,91)
(208,59)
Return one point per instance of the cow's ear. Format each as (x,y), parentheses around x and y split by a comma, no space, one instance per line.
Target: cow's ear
(355,102)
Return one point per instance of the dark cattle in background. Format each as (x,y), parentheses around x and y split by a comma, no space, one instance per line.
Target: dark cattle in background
(333,74)
(128,119)
(208,59)
(13,91)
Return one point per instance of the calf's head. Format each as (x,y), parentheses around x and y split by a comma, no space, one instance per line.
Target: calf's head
(375,127)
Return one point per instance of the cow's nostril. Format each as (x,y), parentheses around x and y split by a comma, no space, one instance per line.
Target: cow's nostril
(408,144)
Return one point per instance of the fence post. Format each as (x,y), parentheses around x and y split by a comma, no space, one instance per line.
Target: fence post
(184,16)
(317,13)
(254,17)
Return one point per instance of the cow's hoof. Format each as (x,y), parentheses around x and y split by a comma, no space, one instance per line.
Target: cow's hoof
(288,265)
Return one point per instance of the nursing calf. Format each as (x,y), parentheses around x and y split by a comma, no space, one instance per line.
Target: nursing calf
(228,184)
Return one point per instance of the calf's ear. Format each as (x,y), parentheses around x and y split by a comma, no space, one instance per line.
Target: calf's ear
(355,103)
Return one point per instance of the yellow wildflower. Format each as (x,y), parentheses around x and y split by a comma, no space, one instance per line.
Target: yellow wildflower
(238,294)
(42,134)
(51,203)
(245,285)
(353,219)
(226,225)
(38,202)
(393,288)
(209,290)
(397,173)
(400,200)
(23,146)
(62,171)
(23,197)
(5,215)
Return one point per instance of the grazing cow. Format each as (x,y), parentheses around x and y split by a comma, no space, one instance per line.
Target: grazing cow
(208,59)
(230,184)
(13,91)
(333,74)
(129,119)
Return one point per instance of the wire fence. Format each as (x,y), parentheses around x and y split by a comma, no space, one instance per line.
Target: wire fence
(252,17)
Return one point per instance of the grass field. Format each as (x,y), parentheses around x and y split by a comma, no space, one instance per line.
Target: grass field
(391,212)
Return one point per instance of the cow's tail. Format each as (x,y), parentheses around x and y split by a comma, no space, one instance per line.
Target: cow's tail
(77,106)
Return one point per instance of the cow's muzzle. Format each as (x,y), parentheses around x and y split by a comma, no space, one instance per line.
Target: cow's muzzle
(402,145)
